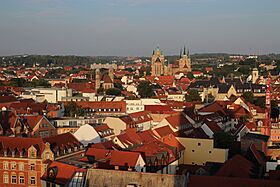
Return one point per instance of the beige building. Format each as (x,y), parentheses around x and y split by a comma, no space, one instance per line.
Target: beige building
(160,68)
(199,151)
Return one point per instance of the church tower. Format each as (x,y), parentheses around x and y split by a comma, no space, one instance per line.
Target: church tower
(157,63)
(97,79)
(111,74)
(185,61)
(255,75)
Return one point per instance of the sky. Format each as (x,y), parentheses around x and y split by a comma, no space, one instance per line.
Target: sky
(136,27)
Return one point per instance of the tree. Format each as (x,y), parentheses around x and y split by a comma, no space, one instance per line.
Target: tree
(190,75)
(145,89)
(223,140)
(209,98)
(192,95)
(113,91)
(17,82)
(118,86)
(248,96)
(72,110)
(260,101)
(100,90)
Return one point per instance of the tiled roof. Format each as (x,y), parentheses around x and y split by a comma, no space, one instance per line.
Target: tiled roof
(178,120)
(64,173)
(163,131)
(18,144)
(159,109)
(62,141)
(238,166)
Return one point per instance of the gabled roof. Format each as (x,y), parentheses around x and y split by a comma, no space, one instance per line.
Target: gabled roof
(163,131)
(213,126)
(178,120)
(124,158)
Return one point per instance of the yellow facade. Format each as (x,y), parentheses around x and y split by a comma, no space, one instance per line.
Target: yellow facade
(199,151)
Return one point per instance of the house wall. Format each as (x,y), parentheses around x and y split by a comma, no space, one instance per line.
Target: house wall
(115,123)
(101,177)
(199,151)
(44,131)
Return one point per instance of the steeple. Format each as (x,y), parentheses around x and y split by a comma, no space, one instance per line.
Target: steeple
(188,52)
(184,51)
(153,52)
(180,53)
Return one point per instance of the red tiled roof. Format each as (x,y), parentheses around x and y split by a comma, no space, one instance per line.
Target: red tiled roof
(103,105)
(159,109)
(238,166)
(124,158)
(62,140)
(65,172)
(177,120)
(19,143)
(213,126)
(163,131)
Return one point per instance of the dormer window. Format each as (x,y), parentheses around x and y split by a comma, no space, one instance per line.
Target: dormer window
(13,153)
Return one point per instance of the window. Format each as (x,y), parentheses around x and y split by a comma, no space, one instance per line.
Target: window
(21,179)
(32,167)
(210,152)
(13,165)
(14,179)
(6,165)
(21,166)
(6,178)
(199,144)
(32,180)
(193,151)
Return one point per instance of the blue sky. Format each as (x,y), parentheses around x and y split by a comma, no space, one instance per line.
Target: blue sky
(135,27)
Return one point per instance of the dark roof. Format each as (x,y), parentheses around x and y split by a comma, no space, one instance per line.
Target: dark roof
(223,88)
(214,181)
(256,136)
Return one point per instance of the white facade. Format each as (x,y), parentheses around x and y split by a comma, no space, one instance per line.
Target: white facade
(51,95)
(87,134)
(138,105)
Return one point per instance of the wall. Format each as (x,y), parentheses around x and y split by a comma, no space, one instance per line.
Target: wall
(113,178)
(200,151)
(116,124)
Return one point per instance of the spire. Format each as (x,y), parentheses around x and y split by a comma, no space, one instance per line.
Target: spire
(153,52)
(188,52)
(184,50)
(180,53)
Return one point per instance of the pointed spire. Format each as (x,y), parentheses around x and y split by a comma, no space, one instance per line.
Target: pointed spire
(180,53)
(184,50)
(153,52)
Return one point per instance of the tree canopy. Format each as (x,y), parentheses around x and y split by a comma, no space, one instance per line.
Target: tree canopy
(145,89)
(192,95)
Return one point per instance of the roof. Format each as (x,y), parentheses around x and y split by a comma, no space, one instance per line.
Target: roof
(158,109)
(163,131)
(64,173)
(238,166)
(256,136)
(18,144)
(178,120)
(103,105)
(213,126)
(62,140)
(217,181)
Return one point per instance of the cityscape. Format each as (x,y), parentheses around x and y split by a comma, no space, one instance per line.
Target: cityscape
(131,93)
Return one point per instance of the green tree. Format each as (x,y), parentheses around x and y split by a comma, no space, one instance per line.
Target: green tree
(113,91)
(118,86)
(192,95)
(72,110)
(145,89)
(260,101)
(190,75)
(100,90)
(248,96)
(223,140)
(17,82)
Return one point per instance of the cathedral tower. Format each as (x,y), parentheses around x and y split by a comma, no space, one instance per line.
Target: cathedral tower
(157,63)
(97,79)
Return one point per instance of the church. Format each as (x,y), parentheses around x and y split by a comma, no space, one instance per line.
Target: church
(160,67)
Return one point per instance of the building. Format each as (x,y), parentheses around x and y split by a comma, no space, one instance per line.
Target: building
(199,151)
(159,67)
(23,161)
(51,95)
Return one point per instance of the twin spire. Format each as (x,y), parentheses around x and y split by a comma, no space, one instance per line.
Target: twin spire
(184,52)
